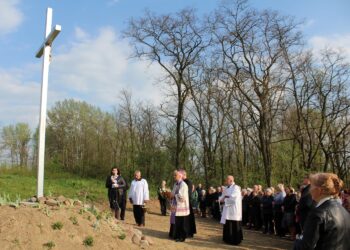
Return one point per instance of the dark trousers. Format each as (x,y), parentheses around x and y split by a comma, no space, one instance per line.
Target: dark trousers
(139,215)
(268,225)
(191,223)
(162,206)
(122,210)
(278,223)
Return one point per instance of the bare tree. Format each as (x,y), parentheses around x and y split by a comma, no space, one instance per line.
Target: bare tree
(252,46)
(174,42)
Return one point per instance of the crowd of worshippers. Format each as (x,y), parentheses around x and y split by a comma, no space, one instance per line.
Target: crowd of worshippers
(280,210)
(316,216)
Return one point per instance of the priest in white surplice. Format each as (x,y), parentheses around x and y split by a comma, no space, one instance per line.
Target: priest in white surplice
(138,197)
(232,212)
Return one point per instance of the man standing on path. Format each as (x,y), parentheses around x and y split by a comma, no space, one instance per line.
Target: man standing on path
(232,213)
(192,222)
(138,196)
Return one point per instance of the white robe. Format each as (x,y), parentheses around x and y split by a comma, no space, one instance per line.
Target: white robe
(139,192)
(232,209)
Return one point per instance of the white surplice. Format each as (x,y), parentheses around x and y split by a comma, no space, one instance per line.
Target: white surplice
(232,209)
(139,192)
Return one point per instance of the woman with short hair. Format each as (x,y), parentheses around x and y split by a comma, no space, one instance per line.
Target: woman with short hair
(288,208)
(327,225)
(266,206)
(277,209)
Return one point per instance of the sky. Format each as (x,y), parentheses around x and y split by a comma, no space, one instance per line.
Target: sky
(91,61)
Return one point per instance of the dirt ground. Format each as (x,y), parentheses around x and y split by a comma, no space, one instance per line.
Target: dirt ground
(209,234)
(30,228)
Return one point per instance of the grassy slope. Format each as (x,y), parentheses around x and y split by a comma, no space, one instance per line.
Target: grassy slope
(21,182)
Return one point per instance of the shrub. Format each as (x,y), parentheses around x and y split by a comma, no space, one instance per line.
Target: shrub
(88,241)
(74,220)
(49,245)
(57,225)
(122,236)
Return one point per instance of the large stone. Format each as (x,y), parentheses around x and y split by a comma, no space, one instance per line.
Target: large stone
(150,241)
(33,199)
(138,232)
(77,203)
(41,200)
(52,202)
(61,198)
(136,238)
(144,244)
(68,202)
(28,204)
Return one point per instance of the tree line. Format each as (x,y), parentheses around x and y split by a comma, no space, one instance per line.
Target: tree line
(244,95)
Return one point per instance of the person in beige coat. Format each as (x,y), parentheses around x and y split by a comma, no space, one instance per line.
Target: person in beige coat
(180,209)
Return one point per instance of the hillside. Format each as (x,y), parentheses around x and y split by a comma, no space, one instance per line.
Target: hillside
(61,227)
(32,228)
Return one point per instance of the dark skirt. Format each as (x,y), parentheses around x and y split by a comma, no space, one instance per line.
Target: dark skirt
(179,230)
(233,233)
(192,224)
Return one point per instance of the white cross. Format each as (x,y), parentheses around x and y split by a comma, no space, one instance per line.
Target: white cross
(45,49)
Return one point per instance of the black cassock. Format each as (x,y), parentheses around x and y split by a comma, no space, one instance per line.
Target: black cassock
(191,219)
(233,233)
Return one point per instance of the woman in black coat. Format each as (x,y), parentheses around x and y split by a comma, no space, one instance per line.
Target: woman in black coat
(327,225)
(116,193)
(288,208)
(267,211)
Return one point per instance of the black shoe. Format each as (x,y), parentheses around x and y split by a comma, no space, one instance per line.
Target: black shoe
(180,240)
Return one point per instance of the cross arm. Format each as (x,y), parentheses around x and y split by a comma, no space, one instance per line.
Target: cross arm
(49,39)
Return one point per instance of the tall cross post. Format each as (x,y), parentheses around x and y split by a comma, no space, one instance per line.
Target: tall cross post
(45,49)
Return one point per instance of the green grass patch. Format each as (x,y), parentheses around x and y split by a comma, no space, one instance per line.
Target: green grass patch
(49,245)
(57,225)
(88,241)
(122,236)
(74,220)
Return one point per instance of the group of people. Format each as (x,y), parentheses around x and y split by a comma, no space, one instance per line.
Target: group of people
(316,217)
(282,210)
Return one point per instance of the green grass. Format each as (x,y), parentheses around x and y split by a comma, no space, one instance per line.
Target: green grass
(21,183)
(57,225)
(74,220)
(49,245)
